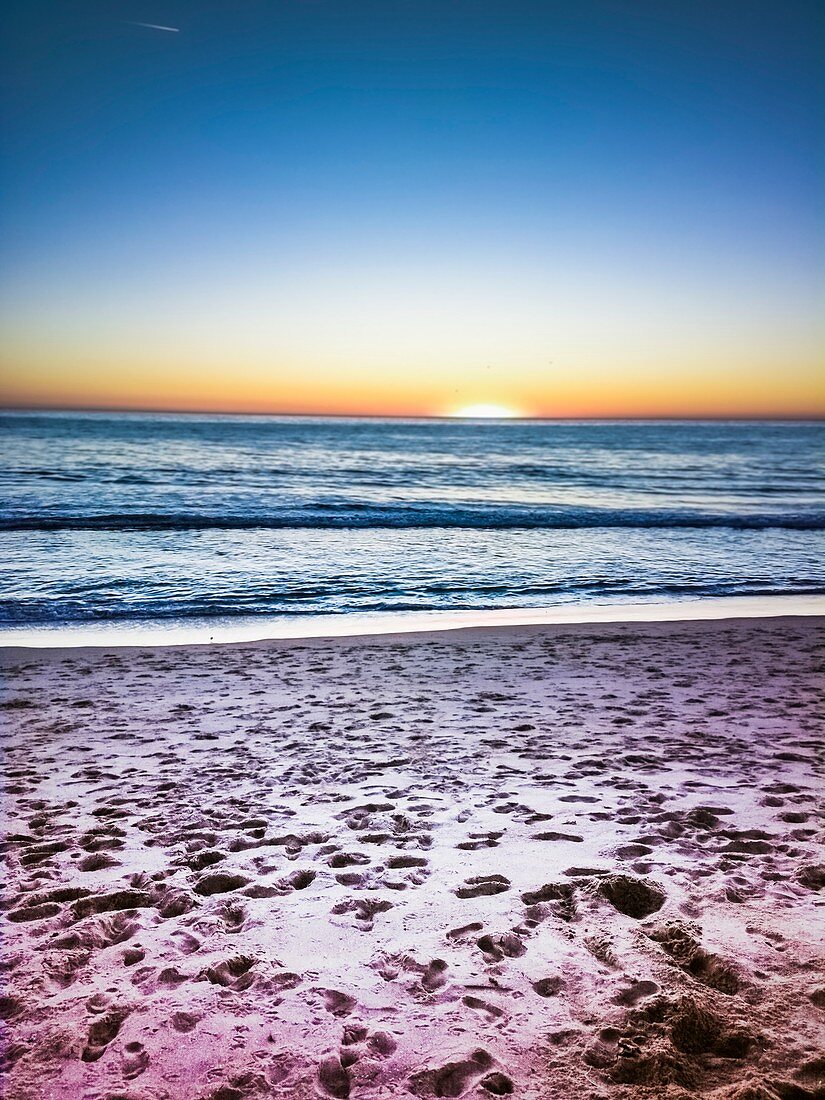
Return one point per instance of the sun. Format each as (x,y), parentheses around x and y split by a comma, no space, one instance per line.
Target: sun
(485,412)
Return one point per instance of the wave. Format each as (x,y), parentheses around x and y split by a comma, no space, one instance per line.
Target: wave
(98,607)
(467,517)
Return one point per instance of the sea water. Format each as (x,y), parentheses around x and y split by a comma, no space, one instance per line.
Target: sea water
(171,518)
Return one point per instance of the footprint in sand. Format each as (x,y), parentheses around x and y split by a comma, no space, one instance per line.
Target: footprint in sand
(299,880)
(634,993)
(206,858)
(453,1078)
(219,883)
(557,898)
(395,863)
(96,862)
(34,912)
(118,901)
(135,1060)
(497,1084)
(558,836)
(184,1021)
(464,932)
(337,1003)
(381,1044)
(352,1034)
(492,1012)
(348,859)
(433,976)
(333,1077)
(634,897)
(363,911)
(101,1033)
(234,973)
(548,987)
(478,841)
(483,886)
(185,942)
(497,947)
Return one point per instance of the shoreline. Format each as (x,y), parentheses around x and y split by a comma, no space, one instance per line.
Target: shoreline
(379,624)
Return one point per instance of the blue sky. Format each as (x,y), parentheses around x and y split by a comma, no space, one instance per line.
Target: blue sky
(672,147)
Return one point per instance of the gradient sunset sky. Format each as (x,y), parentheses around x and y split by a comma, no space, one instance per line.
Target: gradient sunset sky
(580,208)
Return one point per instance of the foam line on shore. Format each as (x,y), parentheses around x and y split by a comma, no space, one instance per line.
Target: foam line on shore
(234,631)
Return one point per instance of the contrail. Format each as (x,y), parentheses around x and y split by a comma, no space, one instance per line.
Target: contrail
(155,27)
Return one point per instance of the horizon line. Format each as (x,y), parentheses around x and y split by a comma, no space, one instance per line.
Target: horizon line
(813,417)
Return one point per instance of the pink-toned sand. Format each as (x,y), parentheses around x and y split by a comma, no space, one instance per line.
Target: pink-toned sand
(553,862)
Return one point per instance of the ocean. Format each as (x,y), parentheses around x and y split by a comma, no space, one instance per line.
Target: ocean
(171,518)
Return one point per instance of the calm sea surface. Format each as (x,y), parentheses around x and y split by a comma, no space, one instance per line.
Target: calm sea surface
(142,517)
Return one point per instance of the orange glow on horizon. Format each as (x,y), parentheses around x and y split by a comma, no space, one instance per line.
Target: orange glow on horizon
(634,398)
(584,383)
(418,339)
(486,412)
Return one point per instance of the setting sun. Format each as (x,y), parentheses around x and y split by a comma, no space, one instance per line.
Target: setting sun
(486,412)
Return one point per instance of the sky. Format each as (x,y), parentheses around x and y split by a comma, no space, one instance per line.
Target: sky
(404,207)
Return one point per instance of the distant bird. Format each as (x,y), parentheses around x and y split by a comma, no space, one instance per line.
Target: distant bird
(154,27)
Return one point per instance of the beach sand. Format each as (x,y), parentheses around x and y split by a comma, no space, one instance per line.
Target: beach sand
(553,862)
